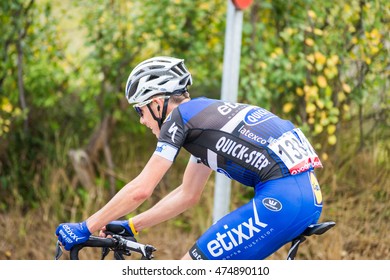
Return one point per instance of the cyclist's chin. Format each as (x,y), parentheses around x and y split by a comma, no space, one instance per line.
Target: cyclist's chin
(156,132)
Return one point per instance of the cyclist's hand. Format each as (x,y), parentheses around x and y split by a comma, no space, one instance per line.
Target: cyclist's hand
(121,227)
(70,234)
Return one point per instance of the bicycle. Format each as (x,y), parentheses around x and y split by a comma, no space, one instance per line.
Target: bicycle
(124,245)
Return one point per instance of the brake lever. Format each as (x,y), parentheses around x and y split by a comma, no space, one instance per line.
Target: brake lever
(118,255)
(149,249)
(59,251)
(105,252)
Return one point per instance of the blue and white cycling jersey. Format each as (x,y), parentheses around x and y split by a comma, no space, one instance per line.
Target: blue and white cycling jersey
(256,148)
(246,143)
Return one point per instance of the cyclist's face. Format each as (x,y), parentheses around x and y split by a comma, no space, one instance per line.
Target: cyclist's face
(147,119)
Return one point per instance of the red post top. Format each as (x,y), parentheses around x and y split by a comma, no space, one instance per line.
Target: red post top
(242,4)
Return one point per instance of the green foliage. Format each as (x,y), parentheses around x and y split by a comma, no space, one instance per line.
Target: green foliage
(64,65)
(296,62)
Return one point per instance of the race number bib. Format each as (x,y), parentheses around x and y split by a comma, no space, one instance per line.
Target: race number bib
(295,151)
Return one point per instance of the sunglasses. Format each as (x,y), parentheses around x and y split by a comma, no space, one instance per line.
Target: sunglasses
(138,106)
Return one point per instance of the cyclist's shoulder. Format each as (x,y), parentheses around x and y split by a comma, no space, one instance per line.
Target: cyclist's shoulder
(193,107)
(198,102)
(207,106)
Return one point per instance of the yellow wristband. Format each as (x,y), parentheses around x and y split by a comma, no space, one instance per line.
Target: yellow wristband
(132,226)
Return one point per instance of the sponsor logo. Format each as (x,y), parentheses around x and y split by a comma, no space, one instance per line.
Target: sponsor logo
(224,172)
(272,204)
(65,238)
(316,189)
(196,255)
(242,152)
(249,134)
(161,148)
(255,116)
(166,150)
(301,167)
(68,234)
(162,89)
(173,129)
(233,237)
(227,108)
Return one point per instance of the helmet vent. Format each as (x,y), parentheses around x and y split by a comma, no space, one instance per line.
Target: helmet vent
(152,77)
(156,66)
(146,91)
(139,72)
(132,88)
(163,81)
(183,81)
(182,68)
(177,71)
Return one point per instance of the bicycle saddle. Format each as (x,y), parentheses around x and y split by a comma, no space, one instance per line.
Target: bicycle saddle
(318,229)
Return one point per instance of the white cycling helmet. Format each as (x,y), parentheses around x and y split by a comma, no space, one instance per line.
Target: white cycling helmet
(157,75)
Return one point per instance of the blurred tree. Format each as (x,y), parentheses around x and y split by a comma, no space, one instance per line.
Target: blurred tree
(64,65)
(309,60)
(31,83)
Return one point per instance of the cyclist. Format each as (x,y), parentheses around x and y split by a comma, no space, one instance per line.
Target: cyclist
(244,142)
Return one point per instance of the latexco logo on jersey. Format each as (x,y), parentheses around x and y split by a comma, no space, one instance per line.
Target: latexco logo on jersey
(252,136)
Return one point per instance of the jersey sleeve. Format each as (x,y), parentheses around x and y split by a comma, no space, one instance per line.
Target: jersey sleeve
(172,136)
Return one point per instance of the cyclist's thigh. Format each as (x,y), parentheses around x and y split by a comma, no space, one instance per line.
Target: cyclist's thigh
(280,210)
(290,205)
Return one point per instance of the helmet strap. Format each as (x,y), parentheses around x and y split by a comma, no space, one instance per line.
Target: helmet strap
(163,114)
(164,111)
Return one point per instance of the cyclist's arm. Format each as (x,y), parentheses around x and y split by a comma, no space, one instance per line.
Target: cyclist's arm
(180,199)
(132,194)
